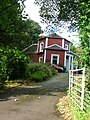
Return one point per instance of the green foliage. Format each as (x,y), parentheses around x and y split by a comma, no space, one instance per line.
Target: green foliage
(57,10)
(3,69)
(33,30)
(11,22)
(76,113)
(12,64)
(84,25)
(15,30)
(39,72)
(72,48)
(88,78)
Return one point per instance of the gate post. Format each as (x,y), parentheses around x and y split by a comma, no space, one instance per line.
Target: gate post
(83,87)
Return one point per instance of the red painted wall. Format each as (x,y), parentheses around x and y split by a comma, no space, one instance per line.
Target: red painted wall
(61,55)
(52,41)
(34,57)
(41,55)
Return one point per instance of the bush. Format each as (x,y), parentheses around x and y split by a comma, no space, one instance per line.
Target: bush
(37,76)
(12,64)
(39,72)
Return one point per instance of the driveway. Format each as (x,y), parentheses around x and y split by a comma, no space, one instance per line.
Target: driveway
(34,102)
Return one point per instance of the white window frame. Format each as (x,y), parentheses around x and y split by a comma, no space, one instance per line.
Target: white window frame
(66,46)
(62,43)
(57,58)
(42,43)
(40,59)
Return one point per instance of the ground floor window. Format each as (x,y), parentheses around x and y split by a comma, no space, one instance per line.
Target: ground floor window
(40,59)
(54,59)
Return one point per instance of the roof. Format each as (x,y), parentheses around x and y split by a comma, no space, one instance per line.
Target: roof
(72,53)
(56,47)
(32,48)
(54,35)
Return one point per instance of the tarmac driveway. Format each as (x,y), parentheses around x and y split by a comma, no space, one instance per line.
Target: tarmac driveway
(34,102)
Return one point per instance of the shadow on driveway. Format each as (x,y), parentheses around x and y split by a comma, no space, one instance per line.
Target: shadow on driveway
(57,83)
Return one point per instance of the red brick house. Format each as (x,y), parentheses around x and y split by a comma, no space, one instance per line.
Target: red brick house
(52,49)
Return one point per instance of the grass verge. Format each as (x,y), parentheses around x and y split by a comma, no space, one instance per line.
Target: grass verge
(70,111)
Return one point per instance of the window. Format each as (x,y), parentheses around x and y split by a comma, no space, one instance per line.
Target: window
(40,59)
(66,46)
(54,59)
(41,47)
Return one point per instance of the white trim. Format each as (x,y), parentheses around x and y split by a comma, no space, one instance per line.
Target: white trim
(72,64)
(46,45)
(45,56)
(65,59)
(62,43)
(40,58)
(54,45)
(69,62)
(70,55)
(52,58)
(69,46)
(40,47)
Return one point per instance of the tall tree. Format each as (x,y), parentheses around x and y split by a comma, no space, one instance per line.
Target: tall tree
(31,33)
(10,20)
(74,12)
(15,29)
(33,30)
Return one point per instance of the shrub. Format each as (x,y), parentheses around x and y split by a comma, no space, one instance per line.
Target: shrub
(53,71)
(39,72)
(37,76)
(12,64)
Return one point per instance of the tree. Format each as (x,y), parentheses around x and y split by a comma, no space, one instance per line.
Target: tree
(72,48)
(33,30)
(57,11)
(74,12)
(11,22)
(15,29)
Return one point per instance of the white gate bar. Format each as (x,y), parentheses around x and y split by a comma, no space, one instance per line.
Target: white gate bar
(83,87)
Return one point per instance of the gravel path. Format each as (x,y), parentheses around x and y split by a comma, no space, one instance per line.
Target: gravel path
(36,102)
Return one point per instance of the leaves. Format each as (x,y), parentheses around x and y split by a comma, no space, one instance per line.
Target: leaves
(15,30)
(12,64)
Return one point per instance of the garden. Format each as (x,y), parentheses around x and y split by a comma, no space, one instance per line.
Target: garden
(15,65)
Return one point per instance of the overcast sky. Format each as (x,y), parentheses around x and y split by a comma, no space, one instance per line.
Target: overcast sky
(33,11)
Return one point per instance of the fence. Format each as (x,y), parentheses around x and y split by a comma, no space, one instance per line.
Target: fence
(77,86)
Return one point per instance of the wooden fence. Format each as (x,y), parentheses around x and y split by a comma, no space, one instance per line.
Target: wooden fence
(77,86)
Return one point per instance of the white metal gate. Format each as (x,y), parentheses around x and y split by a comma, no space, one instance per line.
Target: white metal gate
(77,86)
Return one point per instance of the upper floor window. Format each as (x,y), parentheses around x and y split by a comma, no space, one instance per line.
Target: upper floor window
(66,46)
(41,47)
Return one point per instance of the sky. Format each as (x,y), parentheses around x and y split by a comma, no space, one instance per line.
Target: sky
(33,11)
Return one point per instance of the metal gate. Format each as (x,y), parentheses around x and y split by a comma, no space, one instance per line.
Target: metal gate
(77,86)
